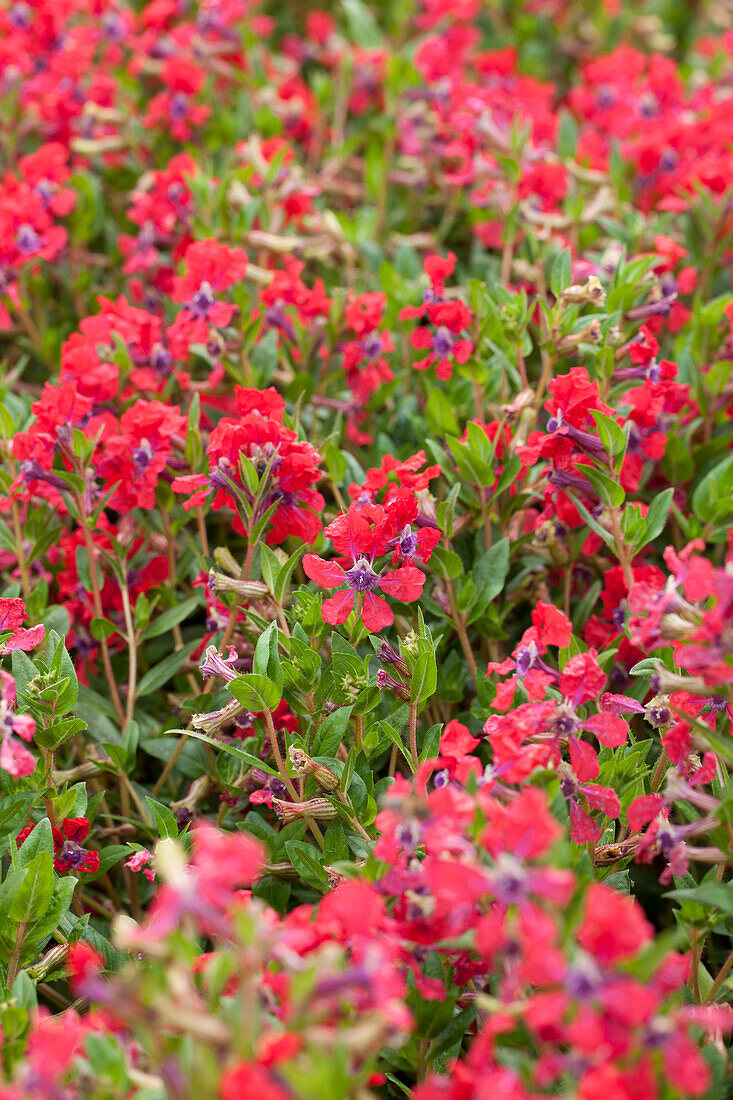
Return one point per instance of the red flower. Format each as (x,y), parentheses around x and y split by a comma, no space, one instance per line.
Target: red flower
(136,457)
(361,536)
(210,268)
(613,927)
(12,614)
(82,961)
(69,855)
(14,758)
(269,445)
(245,1079)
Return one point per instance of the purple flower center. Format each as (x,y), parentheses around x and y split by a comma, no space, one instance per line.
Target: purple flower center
(20,16)
(442,342)
(72,855)
(509,880)
(142,456)
(178,107)
(202,300)
(113,26)
(582,981)
(525,659)
(372,345)
(160,359)
(27,240)
(362,577)
(408,544)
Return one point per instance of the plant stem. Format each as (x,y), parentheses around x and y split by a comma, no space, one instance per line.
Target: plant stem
(722,975)
(621,550)
(132,649)
(49,782)
(272,734)
(98,611)
(412,725)
(460,627)
(14,961)
(25,579)
(201,524)
(659,771)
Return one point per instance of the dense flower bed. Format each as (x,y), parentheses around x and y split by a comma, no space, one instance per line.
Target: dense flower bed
(366,487)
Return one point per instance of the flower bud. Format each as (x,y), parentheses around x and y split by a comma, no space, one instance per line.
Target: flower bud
(590,291)
(384,680)
(591,334)
(306,765)
(388,655)
(225,560)
(319,808)
(220,582)
(215,720)
(196,792)
(52,960)
(214,664)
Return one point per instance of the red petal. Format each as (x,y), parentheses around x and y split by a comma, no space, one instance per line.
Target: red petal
(405,583)
(583,759)
(643,810)
(377,612)
(610,729)
(338,608)
(328,574)
(602,798)
(583,830)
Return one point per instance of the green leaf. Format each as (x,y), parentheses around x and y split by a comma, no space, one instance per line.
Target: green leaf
(712,500)
(32,898)
(609,491)
(424,678)
(161,673)
(232,750)
(56,910)
(592,522)
(286,571)
(716,894)
(656,517)
(269,566)
(307,862)
(101,628)
(560,272)
(612,436)
(362,26)
(334,844)
(255,692)
(567,142)
(446,563)
(266,660)
(40,839)
(170,618)
(489,574)
(14,810)
(396,740)
(452,1033)
(439,413)
(329,736)
(164,819)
